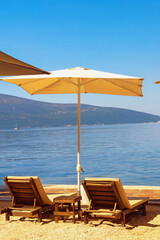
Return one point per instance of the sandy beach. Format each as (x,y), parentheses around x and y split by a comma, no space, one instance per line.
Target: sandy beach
(137,226)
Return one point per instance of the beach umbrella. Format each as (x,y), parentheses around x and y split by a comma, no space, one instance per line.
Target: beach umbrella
(79,80)
(12,66)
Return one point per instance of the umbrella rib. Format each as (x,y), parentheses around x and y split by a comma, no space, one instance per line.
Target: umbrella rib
(89,81)
(83,84)
(58,80)
(110,81)
(34,92)
(33,80)
(107,80)
(70,81)
(94,79)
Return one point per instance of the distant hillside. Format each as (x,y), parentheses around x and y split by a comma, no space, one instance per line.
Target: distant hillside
(30,113)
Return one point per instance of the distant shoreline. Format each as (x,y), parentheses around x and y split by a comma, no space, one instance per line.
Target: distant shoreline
(25,113)
(82,125)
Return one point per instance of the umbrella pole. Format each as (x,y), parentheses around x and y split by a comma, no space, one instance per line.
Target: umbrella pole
(79,150)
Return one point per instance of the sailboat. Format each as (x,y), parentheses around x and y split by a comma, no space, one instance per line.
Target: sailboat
(16,128)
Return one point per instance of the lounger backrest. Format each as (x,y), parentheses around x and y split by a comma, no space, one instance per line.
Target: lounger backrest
(24,191)
(105,192)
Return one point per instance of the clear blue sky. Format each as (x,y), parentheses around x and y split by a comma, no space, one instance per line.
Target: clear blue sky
(119,36)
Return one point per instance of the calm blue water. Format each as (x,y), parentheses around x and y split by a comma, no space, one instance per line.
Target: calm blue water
(129,152)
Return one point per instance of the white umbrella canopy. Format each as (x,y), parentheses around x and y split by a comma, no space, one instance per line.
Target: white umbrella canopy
(12,66)
(79,80)
(89,81)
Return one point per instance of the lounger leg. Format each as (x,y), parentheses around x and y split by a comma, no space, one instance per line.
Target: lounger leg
(56,210)
(85,219)
(69,207)
(79,210)
(74,219)
(144,210)
(123,220)
(7,216)
(39,216)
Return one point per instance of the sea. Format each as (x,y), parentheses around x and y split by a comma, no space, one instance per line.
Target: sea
(130,152)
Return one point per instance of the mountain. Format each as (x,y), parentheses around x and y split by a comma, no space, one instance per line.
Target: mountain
(29,113)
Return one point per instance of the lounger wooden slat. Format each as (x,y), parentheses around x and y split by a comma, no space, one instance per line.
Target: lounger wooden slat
(107,196)
(104,198)
(99,188)
(98,193)
(24,200)
(19,185)
(21,190)
(104,206)
(99,203)
(28,198)
(23,193)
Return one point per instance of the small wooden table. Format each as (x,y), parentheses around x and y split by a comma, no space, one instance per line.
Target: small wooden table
(67,206)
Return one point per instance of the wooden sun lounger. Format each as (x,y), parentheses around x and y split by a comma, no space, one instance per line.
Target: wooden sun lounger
(107,200)
(28,198)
